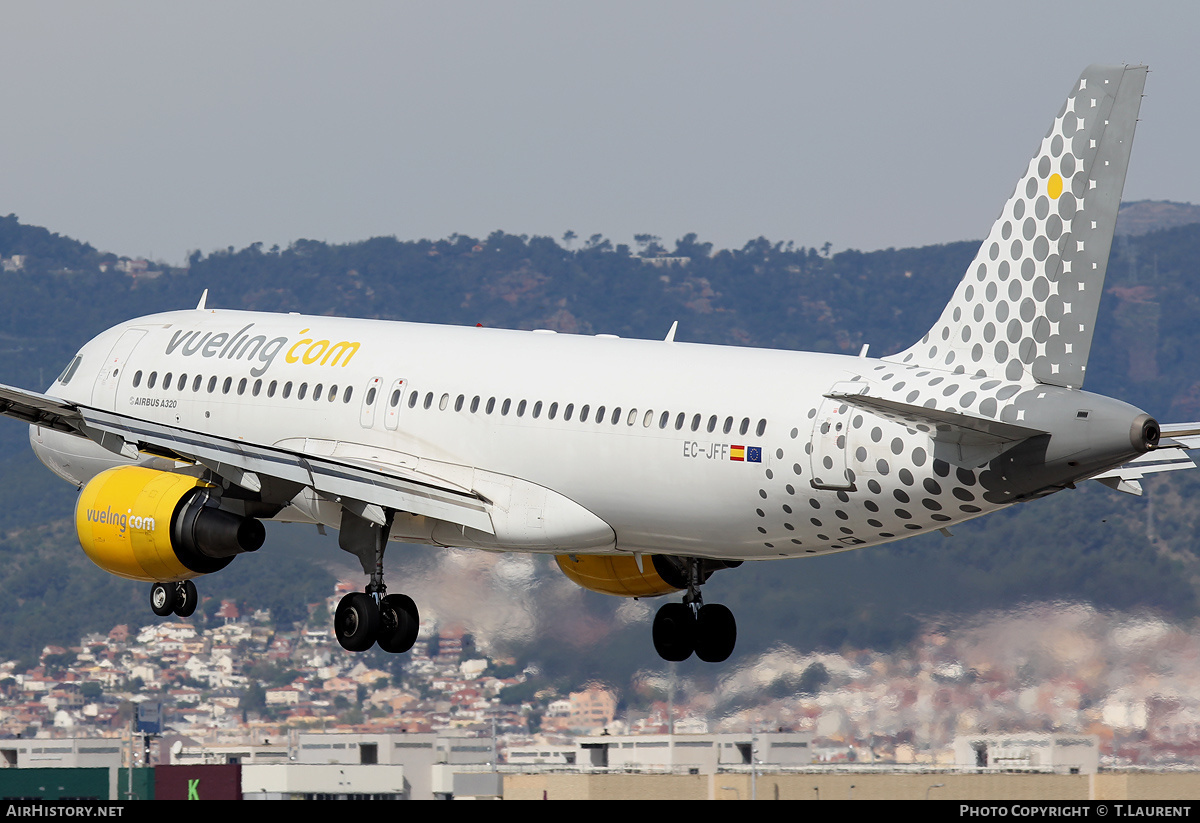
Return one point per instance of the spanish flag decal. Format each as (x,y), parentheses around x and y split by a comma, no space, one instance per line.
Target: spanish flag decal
(737,453)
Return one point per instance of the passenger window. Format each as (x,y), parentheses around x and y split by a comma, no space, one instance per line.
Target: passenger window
(317,391)
(712,423)
(521,409)
(137,379)
(182,383)
(616,415)
(333,392)
(458,403)
(394,401)
(583,413)
(444,402)
(152,380)
(242,386)
(745,427)
(371,396)
(679,422)
(491,405)
(428,400)
(600,415)
(537,409)
(347,394)
(257,388)
(505,406)
(167,381)
(196,381)
(696,422)
(227,385)
(474,404)
(212,384)
(412,400)
(662,421)
(567,411)
(271,388)
(762,428)
(728,425)
(302,391)
(287,390)
(553,410)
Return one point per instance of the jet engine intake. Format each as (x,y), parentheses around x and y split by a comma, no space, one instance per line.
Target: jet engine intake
(145,524)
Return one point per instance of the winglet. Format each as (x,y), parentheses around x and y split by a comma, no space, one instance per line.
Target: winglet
(203,298)
(670,338)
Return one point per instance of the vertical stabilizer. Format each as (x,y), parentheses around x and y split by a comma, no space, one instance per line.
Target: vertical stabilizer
(1026,308)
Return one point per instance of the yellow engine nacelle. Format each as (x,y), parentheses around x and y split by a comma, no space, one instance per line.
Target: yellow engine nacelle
(151,525)
(618,574)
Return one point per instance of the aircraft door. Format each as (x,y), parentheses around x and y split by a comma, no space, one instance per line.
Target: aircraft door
(104,390)
(391,416)
(366,416)
(830,441)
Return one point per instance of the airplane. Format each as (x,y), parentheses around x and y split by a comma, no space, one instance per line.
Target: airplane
(642,466)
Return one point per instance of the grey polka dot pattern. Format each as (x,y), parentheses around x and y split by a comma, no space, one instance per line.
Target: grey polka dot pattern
(869,463)
(1026,308)
(899,488)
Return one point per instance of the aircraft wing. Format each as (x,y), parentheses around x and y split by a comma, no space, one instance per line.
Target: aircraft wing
(1171,455)
(33,407)
(364,487)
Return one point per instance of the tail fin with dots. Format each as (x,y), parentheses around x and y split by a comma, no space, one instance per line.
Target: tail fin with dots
(1026,308)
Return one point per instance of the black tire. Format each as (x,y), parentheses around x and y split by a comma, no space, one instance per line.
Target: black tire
(716,633)
(163,599)
(187,599)
(356,622)
(674,632)
(399,622)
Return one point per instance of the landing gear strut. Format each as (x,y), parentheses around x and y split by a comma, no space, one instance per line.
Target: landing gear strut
(174,598)
(691,626)
(364,619)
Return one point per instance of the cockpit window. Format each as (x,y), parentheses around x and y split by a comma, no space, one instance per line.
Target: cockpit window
(69,371)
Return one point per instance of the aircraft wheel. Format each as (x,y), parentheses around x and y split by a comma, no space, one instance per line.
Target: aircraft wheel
(356,622)
(398,623)
(674,632)
(186,599)
(163,598)
(716,633)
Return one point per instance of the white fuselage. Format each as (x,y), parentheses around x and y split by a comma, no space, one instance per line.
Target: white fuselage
(702,450)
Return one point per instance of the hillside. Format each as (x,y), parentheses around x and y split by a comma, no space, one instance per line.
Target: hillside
(1112,550)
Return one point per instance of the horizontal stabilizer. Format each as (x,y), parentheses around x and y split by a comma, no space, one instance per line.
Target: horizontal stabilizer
(1180,436)
(962,439)
(1171,455)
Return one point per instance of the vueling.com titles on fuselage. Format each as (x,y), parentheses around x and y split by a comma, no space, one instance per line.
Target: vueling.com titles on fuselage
(307,351)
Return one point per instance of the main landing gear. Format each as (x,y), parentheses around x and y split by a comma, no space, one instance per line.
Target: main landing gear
(691,626)
(174,598)
(364,619)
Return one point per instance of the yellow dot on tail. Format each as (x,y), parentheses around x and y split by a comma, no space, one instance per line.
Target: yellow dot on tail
(1054,186)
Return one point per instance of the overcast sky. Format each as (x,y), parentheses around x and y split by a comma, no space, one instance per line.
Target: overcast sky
(157,128)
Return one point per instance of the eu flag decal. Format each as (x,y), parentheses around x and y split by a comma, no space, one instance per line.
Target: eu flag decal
(754,454)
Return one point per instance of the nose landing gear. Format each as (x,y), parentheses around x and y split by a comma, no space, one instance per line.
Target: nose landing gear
(364,619)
